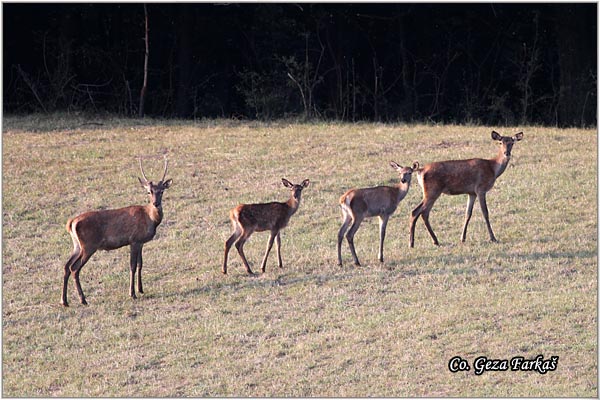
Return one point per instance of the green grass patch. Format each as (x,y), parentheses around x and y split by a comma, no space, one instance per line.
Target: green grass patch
(311,328)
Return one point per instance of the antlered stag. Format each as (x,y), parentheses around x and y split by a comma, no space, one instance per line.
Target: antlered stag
(112,229)
(380,201)
(249,218)
(474,177)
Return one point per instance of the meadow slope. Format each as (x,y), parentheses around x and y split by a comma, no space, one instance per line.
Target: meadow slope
(311,328)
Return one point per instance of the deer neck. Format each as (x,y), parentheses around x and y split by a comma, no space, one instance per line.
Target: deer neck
(155,213)
(293,203)
(500,163)
(402,189)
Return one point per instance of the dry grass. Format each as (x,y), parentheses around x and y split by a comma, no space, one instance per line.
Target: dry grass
(311,329)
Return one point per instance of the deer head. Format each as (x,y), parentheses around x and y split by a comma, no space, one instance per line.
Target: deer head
(405,172)
(296,189)
(155,190)
(506,142)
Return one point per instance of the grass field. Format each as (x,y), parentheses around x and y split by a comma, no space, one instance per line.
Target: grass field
(312,328)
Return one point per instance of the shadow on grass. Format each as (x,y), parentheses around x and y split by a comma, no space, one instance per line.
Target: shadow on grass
(468,264)
(443,264)
(582,254)
(266,281)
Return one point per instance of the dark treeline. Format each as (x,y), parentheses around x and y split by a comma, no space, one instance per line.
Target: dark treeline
(481,63)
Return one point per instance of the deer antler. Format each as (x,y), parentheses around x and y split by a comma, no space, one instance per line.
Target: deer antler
(142,169)
(165,174)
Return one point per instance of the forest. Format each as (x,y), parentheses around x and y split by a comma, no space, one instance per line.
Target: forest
(486,63)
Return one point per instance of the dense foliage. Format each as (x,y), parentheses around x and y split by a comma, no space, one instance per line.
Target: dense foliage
(487,63)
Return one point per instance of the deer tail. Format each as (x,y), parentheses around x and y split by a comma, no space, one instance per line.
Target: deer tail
(69,223)
(346,200)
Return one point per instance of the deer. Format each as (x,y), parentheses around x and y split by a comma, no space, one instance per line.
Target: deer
(474,177)
(112,229)
(380,201)
(273,217)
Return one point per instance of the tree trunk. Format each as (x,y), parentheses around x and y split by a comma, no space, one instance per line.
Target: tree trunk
(145,84)
(184,93)
(575,105)
(408,103)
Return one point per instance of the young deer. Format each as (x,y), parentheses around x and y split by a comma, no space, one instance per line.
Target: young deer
(112,229)
(381,201)
(474,177)
(273,217)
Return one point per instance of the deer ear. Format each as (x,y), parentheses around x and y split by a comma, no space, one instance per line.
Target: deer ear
(167,183)
(415,166)
(287,183)
(305,183)
(518,136)
(496,136)
(395,165)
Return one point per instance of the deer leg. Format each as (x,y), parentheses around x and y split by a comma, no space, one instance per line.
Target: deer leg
(232,239)
(470,203)
(484,210)
(79,289)
(263,265)
(383,220)
(133,256)
(414,216)
(74,256)
(63,299)
(139,270)
(278,241)
(240,248)
(425,215)
(350,238)
(76,268)
(343,229)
